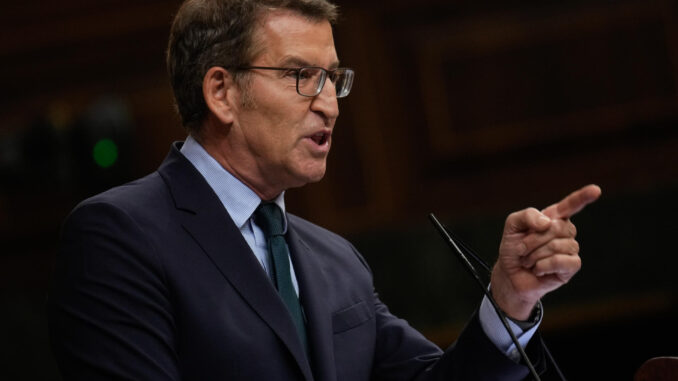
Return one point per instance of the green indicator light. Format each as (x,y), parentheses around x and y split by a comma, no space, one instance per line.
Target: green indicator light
(105,153)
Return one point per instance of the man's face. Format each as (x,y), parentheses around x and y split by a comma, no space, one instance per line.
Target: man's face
(282,138)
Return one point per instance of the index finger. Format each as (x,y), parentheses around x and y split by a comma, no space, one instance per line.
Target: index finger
(574,202)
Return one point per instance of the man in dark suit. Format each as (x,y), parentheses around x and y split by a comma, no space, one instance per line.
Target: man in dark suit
(196,272)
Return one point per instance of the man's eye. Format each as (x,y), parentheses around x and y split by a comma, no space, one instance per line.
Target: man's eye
(290,73)
(305,74)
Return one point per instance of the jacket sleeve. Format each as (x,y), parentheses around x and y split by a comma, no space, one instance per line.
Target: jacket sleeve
(109,307)
(402,353)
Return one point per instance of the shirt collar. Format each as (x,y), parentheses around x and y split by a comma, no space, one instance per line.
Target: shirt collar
(239,200)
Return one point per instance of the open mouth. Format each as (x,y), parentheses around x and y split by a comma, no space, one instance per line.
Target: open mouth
(320,138)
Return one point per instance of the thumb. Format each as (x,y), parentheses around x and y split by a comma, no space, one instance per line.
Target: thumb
(526,220)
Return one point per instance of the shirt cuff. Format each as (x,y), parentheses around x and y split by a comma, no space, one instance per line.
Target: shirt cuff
(496,332)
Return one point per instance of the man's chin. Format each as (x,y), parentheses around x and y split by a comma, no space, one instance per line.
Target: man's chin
(309,177)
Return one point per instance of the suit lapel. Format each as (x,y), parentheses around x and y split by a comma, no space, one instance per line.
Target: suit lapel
(312,289)
(206,220)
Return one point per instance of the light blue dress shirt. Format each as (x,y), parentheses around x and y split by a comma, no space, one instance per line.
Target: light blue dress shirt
(241,202)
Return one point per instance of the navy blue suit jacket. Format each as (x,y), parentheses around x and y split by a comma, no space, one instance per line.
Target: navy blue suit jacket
(153,281)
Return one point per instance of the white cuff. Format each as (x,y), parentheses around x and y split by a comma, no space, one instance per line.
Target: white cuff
(496,332)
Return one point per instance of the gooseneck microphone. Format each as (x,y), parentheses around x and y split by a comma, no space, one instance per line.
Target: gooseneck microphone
(461,252)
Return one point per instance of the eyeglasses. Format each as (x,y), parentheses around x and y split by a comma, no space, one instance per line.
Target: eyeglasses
(311,79)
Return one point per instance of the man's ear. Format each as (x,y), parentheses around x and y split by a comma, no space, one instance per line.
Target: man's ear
(219,90)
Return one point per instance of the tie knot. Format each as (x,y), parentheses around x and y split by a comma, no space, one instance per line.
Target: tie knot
(269,217)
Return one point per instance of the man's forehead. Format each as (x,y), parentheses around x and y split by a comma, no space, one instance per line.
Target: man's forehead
(289,38)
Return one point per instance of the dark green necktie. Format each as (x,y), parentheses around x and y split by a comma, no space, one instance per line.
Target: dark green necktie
(269,218)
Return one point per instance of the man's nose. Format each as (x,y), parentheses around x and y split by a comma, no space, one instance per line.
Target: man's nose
(326,102)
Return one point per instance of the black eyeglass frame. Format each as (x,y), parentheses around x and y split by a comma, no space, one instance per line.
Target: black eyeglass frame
(349,73)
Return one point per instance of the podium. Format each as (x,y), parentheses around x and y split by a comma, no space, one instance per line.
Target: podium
(658,369)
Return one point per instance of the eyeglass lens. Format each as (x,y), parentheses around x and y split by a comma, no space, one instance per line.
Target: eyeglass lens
(311,81)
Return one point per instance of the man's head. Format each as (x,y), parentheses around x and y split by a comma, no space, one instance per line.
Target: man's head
(208,33)
(244,93)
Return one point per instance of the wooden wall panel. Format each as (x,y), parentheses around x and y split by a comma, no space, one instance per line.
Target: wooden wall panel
(484,108)
(499,83)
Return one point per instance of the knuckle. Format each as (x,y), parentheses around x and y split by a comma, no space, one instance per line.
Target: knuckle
(558,226)
(575,247)
(533,211)
(572,229)
(577,262)
(527,243)
(553,245)
(572,265)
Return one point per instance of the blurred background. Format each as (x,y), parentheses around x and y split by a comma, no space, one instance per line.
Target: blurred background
(468,109)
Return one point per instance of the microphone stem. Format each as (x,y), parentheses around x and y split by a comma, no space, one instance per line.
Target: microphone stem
(474,274)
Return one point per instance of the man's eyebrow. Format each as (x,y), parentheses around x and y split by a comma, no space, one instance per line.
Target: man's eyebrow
(294,61)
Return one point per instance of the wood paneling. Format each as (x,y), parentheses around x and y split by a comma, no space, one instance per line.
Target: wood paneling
(494,107)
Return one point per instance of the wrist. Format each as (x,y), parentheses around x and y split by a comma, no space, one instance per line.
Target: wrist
(532,320)
(515,308)
(515,304)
